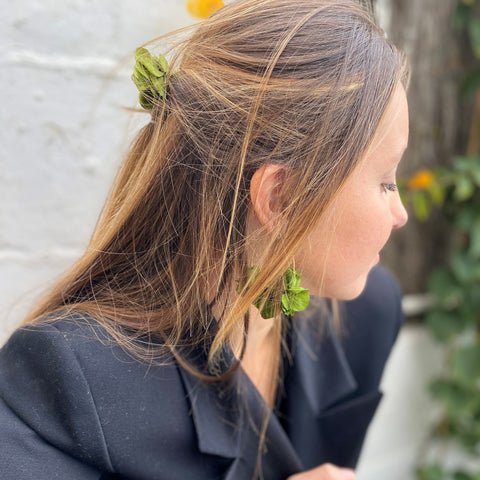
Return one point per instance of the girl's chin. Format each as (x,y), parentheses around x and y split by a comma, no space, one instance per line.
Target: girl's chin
(345,291)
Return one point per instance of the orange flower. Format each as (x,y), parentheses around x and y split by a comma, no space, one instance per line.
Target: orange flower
(203,8)
(422,180)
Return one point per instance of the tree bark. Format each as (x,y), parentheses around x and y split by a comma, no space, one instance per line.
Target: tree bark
(424,30)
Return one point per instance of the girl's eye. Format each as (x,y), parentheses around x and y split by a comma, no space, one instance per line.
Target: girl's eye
(391,187)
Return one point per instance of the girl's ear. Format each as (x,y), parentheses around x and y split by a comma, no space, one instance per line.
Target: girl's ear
(266,187)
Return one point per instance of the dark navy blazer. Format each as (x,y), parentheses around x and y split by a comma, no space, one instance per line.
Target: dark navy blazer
(75,406)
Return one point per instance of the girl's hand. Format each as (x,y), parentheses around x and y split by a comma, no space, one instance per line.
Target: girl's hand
(327,471)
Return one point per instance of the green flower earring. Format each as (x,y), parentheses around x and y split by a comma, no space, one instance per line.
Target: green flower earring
(294,297)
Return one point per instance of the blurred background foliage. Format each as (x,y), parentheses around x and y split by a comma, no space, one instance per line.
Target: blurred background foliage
(454,317)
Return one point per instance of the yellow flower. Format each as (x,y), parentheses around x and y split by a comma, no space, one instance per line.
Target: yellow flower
(422,180)
(203,8)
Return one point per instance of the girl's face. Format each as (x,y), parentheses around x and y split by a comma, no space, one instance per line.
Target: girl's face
(345,244)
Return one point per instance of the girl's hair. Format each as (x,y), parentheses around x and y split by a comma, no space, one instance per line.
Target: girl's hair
(302,84)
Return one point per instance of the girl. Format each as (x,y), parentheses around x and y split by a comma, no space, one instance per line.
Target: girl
(179,345)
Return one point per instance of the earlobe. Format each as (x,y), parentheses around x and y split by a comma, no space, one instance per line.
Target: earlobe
(266,187)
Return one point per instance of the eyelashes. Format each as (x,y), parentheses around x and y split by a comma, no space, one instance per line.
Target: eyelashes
(390,187)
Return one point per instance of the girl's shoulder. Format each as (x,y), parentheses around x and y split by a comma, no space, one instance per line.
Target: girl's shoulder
(68,384)
(67,351)
(89,341)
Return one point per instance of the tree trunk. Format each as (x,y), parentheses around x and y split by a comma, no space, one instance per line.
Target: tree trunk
(424,30)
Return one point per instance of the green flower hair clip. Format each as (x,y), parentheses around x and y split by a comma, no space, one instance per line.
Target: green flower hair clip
(149,75)
(294,297)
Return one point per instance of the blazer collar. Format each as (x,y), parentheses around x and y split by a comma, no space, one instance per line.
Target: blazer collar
(213,408)
(227,420)
(227,423)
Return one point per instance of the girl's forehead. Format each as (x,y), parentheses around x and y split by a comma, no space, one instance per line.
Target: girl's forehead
(395,122)
(391,138)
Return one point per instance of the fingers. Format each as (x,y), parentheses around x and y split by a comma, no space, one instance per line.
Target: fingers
(327,471)
(348,474)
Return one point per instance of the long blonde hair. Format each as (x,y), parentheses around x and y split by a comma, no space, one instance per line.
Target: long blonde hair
(300,83)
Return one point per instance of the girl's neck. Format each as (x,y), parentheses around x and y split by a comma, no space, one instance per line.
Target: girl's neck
(259,350)
(261,355)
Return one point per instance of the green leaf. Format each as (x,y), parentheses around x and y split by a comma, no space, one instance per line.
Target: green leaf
(465,218)
(295,300)
(437,194)
(459,399)
(462,163)
(149,62)
(140,77)
(431,472)
(475,170)
(145,101)
(267,310)
(469,164)
(466,363)
(471,301)
(470,83)
(140,52)
(159,85)
(445,288)
(462,267)
(464,188)
(292,278)
(462,476)
(474,250)
(421,206)
(444,325)
(462,15)
(149,75)
(466,268)
(163,63)
(474,32)
(294,297)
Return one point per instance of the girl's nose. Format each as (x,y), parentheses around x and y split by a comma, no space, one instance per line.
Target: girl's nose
(400,217)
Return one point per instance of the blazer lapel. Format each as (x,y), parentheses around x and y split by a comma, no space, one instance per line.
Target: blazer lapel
(228,424)
(320,368)
(324,418)
(228,421)
(213,409)
(279,459)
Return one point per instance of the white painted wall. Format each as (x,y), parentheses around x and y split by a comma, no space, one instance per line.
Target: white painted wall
(402,422)
(65,70)
(64,78)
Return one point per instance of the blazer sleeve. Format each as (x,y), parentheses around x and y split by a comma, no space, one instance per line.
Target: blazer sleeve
(50,427)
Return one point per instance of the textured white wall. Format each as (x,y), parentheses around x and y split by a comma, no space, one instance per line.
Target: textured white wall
(64,78)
